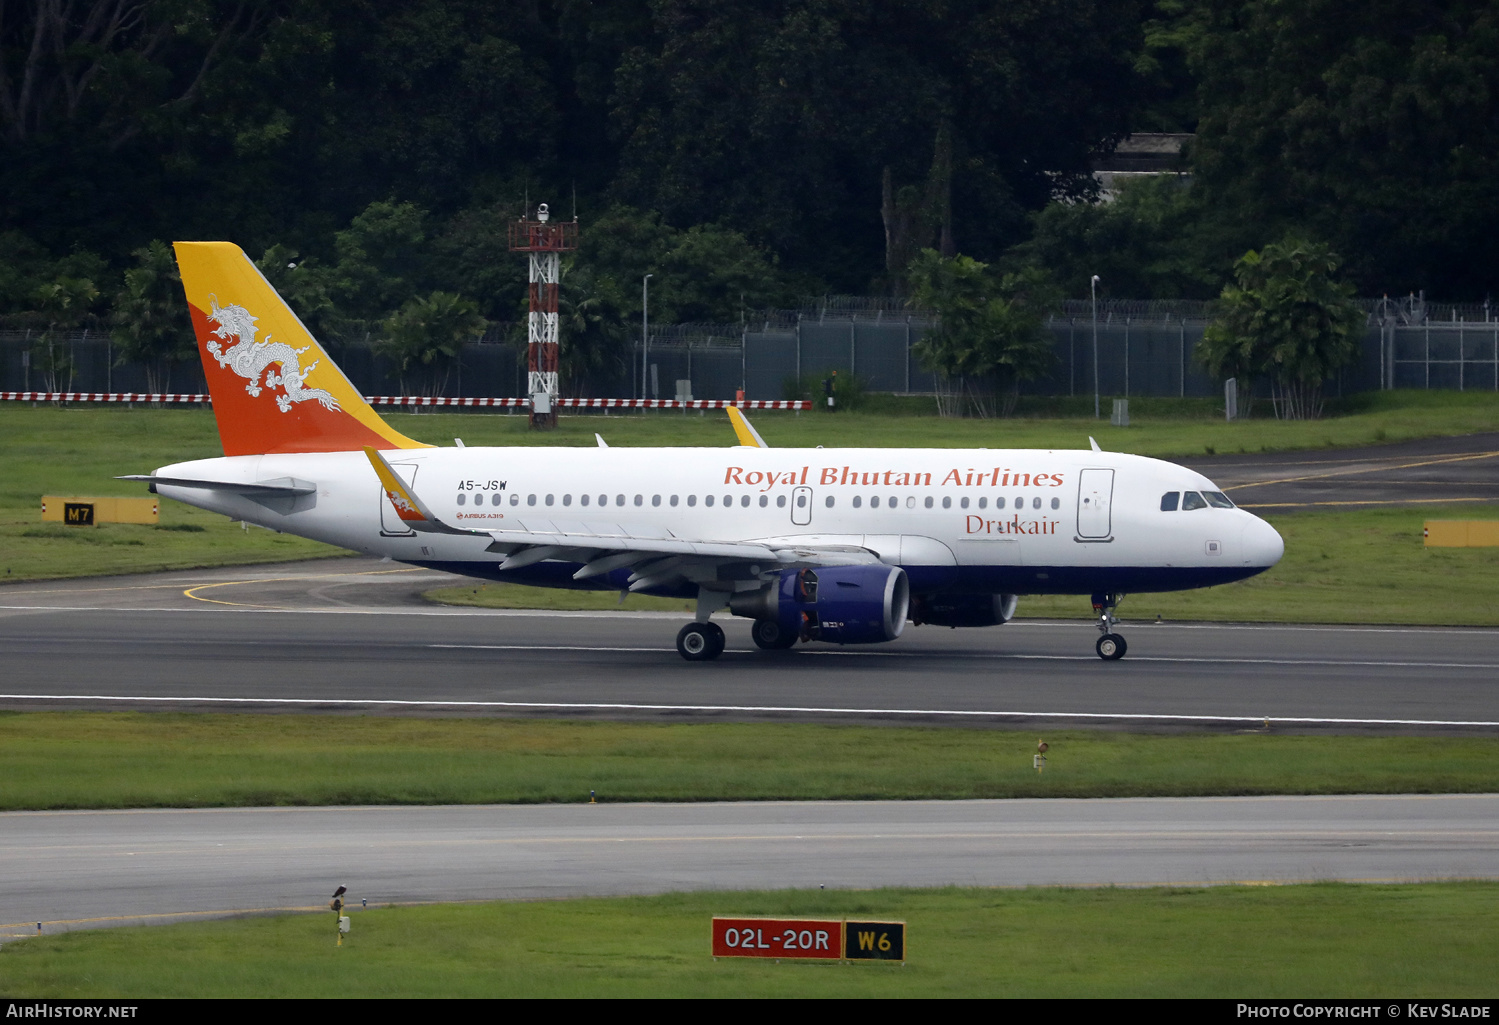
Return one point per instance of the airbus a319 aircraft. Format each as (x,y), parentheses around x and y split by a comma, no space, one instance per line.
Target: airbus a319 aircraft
(814,545)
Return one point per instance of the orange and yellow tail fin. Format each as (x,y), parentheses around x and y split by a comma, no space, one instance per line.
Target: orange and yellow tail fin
(274,389)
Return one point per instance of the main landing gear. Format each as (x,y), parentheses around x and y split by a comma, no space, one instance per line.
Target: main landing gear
(1110,646)
(700,642)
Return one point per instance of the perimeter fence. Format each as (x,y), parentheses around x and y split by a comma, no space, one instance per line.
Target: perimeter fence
(1142,349)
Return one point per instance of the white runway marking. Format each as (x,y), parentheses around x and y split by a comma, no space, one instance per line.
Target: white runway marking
(569,706)
(1006,656)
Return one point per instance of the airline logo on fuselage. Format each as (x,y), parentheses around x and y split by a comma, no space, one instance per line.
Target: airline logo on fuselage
(827,476)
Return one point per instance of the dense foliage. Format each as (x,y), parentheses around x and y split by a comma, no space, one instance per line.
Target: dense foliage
(746,154)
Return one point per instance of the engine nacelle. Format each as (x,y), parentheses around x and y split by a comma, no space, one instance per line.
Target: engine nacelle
(841,604)
(963,609)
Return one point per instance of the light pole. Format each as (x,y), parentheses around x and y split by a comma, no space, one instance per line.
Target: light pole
(1095,346)
(645,338)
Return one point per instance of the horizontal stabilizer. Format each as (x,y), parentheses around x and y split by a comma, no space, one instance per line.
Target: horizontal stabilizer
(284,486)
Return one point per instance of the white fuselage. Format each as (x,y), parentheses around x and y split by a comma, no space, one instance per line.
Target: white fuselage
(988,520)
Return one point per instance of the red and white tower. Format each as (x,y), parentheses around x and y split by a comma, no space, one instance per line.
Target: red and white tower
(546,242)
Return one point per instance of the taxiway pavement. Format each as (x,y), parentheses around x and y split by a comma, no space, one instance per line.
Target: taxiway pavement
(71,870)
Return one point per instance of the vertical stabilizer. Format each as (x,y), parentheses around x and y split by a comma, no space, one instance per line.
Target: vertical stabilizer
(274,389)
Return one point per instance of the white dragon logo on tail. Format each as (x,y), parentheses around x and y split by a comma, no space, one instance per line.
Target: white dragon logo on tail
(251,359)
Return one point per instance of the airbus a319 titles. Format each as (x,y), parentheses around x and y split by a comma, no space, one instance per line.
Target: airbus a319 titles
(841,546)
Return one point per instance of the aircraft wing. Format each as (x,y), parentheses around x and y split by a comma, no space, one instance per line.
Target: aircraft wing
(655,557)
(657,560)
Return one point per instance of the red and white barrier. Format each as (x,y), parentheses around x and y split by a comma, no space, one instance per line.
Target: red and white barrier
(96,396)
(418,400)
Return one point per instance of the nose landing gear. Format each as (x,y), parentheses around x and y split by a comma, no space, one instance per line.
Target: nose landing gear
(1110,646)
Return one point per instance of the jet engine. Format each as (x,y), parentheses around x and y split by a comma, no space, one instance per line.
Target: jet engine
(841,604)
(963,609)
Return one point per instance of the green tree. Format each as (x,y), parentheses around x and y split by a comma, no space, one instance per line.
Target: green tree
(63,304)
(593,335)
(425,337)
(1288,318)
(989,338)
(1373,125)
(1155,241)
(304,284)
(151,322)
(382,260)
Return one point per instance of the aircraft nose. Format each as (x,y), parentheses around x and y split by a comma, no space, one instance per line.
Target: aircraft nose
(1261,543)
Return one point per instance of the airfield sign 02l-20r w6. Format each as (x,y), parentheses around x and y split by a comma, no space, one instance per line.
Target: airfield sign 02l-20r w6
(809,939)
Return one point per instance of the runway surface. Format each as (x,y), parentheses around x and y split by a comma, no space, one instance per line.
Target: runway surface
(352,634)
(72,870)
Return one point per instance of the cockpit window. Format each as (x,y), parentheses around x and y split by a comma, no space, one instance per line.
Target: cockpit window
(1217,499)
(1169,501)
(1192,500)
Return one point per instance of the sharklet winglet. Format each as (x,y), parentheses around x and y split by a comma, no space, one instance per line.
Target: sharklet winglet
(748,436)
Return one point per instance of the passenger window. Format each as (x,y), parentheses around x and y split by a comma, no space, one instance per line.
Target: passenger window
(1036,502)
(549,500)
(1192,500)
(1056,503)
(639,500)
(619,499)
(963,503)
(728,500)
(946,502)
(462,498)
(828,503)
(708,500)
(1217,499)
(691,501)
(910,501)
(874,501)
(928,501)
(603,501)
(674,501)
(582,499)
(999,503)
(530,499)
(655,501)
(567,499)
(744,501)
(857,501)
(764,501)
(892,501)
(983,503)
(1169,501)
(515,499)
(781,501)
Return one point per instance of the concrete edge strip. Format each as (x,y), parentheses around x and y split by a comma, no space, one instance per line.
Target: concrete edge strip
(562,706)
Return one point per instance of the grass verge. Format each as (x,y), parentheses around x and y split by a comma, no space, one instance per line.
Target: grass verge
(79,451)
(55,760)
(1364,566)
(1431,940)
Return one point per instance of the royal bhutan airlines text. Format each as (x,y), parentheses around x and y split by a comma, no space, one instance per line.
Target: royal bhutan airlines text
(998,477)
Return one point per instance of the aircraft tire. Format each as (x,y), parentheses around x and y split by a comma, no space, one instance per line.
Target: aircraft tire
(1111,647)
(768,634)
(700,642)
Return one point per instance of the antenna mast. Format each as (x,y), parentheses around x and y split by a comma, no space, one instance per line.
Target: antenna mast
(545,242)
